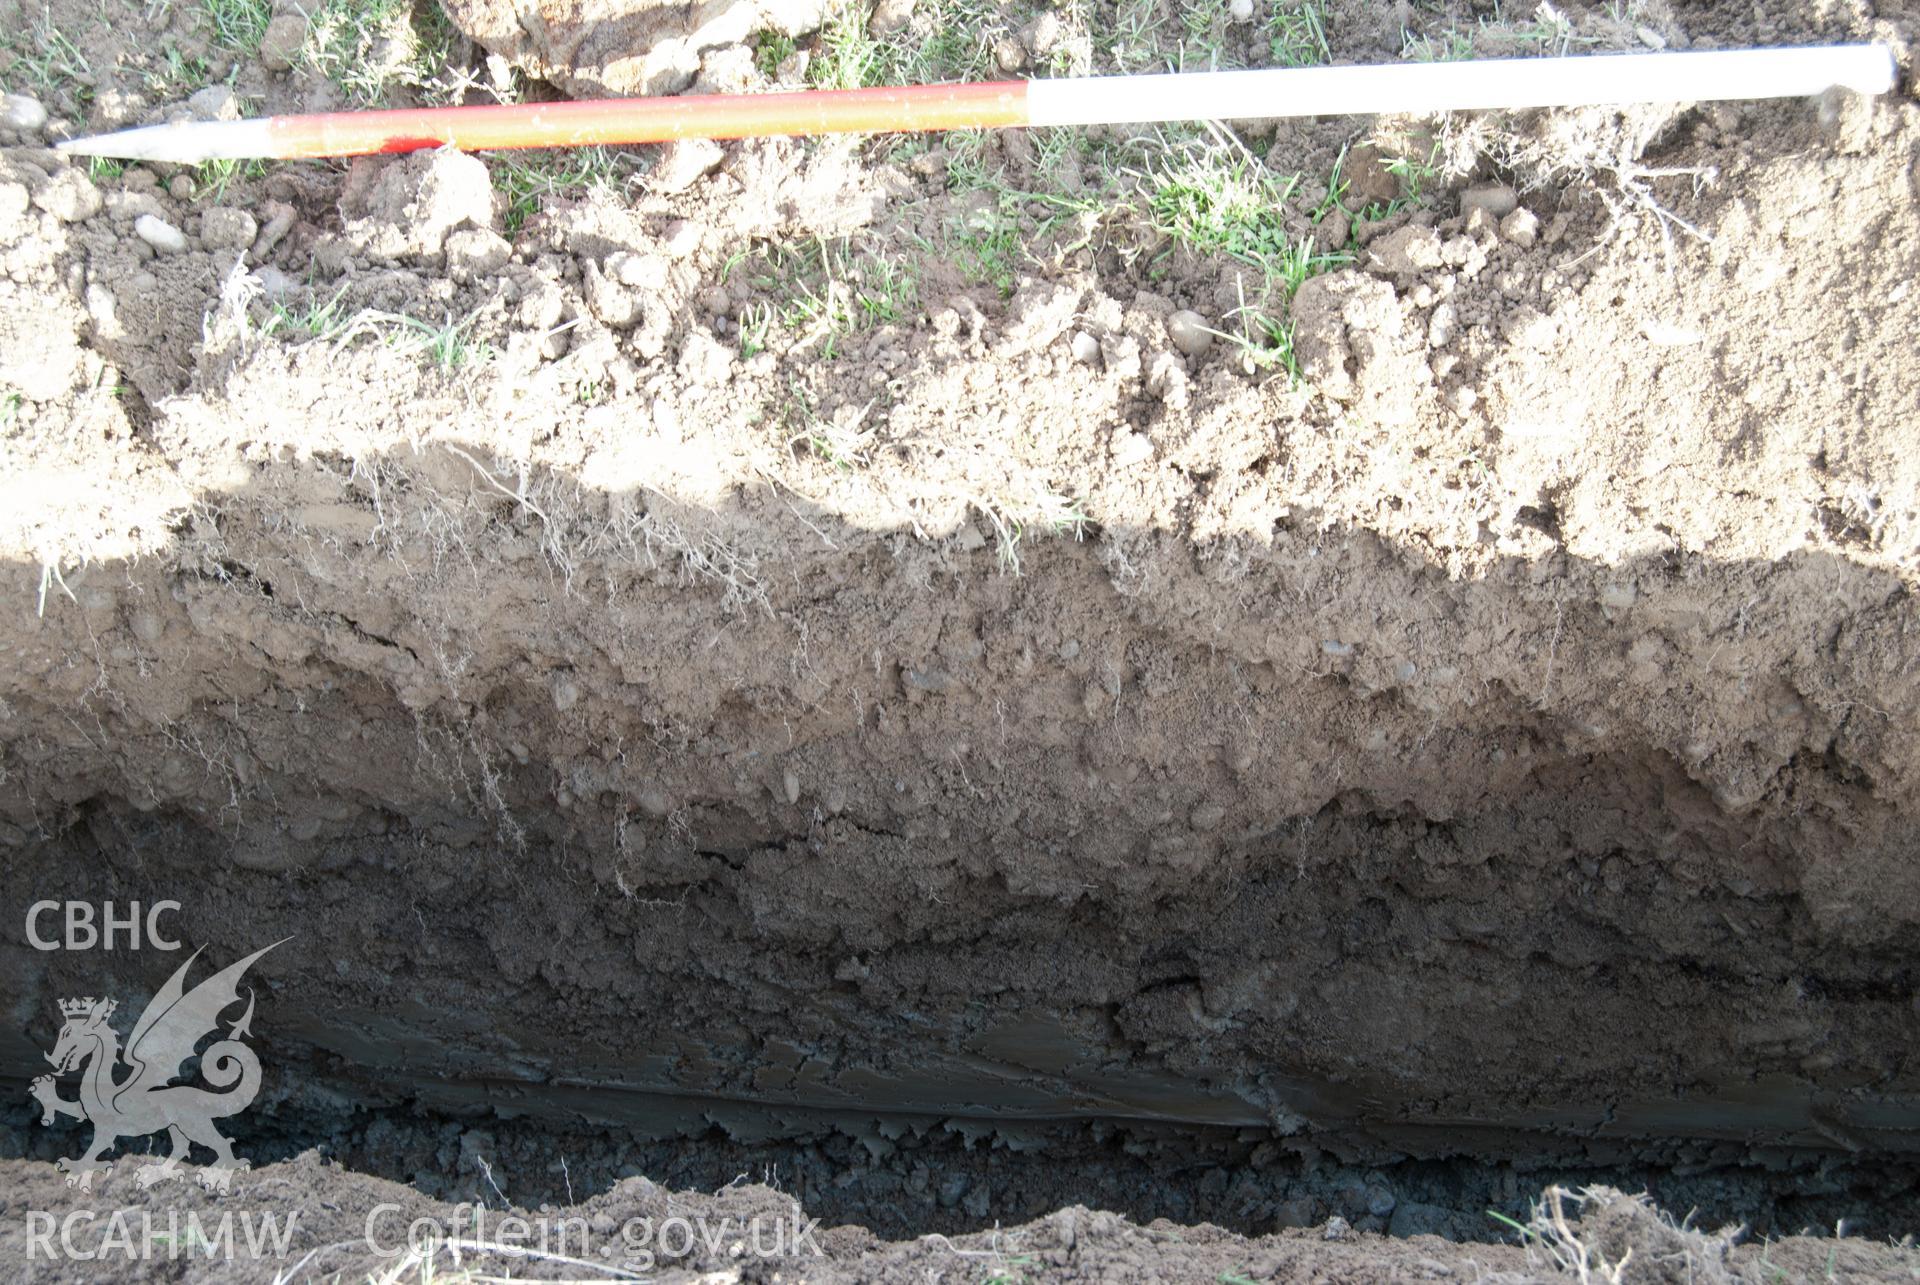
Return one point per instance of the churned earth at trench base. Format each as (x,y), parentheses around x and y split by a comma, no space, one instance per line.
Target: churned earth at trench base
(1042,790)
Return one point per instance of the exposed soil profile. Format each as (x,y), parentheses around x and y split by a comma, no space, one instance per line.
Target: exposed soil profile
(796,681)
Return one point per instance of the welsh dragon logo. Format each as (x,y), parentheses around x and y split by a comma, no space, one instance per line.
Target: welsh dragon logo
(145,1100)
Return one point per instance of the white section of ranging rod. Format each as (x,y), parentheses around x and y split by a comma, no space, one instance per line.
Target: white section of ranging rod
(1426,88)
(187,142)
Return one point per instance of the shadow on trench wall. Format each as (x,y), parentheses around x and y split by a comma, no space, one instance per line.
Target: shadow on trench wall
(1334,848)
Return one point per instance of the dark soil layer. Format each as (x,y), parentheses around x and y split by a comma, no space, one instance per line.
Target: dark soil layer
(431,1013)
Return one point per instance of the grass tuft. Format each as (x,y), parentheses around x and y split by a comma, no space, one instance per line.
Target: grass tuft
(531,178)
(847,56)
(844,442)
(1006,226)
(1217,199)
(1040,508)
(448,344)
(178,74)
(1546,33)
(1297,37)
(1641,1242)
(1131,41)
(43,59)
(770,51)
(238,25)
(1203,44)
(312,319)
(816,295)
(1213,197)
(371,48)
(211,179)
(756,328)
(950,41)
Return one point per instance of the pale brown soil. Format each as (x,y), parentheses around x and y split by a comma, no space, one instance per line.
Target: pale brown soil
(1490,760)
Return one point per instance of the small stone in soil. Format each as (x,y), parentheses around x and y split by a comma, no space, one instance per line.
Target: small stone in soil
(1122,355)
(1302,1211)
(1188,330)
(643,272)
(705,361)
(1240,10)
(160,234)
(1086,349)
(224,228)
(104,311)
(1132,448)
(1497,199)
(1522,227)
(19,112)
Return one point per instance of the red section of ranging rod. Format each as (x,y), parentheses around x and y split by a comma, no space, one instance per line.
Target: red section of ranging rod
(652,120)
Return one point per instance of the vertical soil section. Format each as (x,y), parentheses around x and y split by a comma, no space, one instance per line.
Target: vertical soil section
(812,664)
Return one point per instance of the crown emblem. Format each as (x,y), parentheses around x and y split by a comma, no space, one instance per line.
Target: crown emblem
(86,1007)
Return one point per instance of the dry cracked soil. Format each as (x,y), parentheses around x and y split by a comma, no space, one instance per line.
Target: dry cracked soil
(789,685)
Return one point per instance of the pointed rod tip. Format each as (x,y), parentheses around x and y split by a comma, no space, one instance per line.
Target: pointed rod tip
(179,143)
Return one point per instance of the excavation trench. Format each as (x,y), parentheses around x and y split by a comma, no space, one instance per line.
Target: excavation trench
(1030,898)
(1000,753)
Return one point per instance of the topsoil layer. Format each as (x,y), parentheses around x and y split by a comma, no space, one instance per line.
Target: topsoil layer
(989,757)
